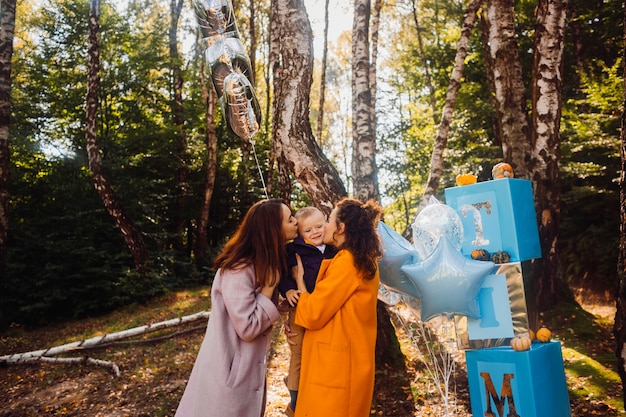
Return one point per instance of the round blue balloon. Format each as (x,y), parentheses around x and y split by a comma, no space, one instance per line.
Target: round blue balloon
(397,251)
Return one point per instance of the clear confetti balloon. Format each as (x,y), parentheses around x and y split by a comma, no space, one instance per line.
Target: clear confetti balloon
(433,222)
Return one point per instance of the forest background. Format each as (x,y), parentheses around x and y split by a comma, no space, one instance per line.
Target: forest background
(66,257)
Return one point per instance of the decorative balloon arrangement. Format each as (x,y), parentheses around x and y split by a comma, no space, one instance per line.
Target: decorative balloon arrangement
(230,69)
(432,268)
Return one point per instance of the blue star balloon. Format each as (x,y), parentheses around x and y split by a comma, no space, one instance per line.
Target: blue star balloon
(448,282)
(397,251)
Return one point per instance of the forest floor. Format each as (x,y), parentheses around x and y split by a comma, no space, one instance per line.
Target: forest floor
(154,374)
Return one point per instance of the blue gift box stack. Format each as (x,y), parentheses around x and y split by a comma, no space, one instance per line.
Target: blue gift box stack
(499,215)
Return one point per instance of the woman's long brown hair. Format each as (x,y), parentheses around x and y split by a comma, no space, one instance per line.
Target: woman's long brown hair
(362,239)
(259,240)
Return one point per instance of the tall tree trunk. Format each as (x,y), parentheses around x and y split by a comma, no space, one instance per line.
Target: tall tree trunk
(7,31)
(210,99)
(291,58)
(486,50)
(364,170)
(320,114)
(509,84)
(364,174)
(374,28)
(543,163)
(420,46)
(114,207)
(436,160)
(619,327)
(182,173)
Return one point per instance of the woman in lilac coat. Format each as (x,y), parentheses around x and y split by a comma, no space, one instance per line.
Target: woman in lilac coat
(228,378)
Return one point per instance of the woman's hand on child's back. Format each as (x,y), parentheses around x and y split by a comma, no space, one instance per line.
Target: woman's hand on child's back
(292,296)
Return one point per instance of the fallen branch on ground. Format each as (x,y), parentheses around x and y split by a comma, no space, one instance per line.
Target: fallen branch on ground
(44,355)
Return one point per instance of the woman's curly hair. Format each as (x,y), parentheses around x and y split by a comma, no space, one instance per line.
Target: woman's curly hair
(361,231)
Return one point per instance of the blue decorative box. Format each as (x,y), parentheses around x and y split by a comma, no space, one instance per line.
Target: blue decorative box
(497,215)
(531,383)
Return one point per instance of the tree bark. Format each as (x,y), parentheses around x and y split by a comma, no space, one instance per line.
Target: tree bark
(114,207)
(509,85)
(486,51)
(320,114)
(374,29)
(7,31)
(291,58)
(454,85)
(210,99)
(619,326)
(364,173)
(182,171)
(543,162)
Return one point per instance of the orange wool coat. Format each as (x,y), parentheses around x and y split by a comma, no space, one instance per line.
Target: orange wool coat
(337,375)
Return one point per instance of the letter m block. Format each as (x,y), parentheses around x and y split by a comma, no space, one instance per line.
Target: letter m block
(506,383)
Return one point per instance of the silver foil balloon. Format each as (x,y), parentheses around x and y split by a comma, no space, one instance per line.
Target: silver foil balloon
(240,106)
(216,18)
(225,56)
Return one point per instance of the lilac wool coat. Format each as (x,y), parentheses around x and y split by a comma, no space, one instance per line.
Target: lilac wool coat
(228,377)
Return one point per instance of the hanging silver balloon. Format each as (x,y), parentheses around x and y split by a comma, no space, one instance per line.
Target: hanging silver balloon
(216,18)
(230,70)
(240,106)
(225,56)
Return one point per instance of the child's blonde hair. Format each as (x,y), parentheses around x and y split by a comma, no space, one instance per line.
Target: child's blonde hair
(306,212)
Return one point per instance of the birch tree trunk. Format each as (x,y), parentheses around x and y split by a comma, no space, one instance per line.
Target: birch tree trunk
(320,114)
(114,207)
(543,164)
(375,18)
(509,85)
(182,172)
(364,174)
(291,58)
(619,326)
(7,31)
(454,85)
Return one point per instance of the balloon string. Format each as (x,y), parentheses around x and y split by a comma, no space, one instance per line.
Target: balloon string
(259,168)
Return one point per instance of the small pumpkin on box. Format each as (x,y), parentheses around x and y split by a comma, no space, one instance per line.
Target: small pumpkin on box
(544,335)
(520,343)
(466,179)
(502,170)
(480,255)
(500,257)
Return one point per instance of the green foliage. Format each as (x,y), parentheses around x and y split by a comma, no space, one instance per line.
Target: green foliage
(590,123)
(66,256)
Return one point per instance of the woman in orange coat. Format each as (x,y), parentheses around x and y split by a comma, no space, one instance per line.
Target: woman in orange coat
(337,375)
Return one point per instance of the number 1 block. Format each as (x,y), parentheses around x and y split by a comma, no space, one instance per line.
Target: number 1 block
(497,215)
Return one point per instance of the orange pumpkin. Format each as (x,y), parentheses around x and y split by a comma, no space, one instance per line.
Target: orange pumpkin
(502,170)
(544,335)
(480,255)
(520,343)
(466,179)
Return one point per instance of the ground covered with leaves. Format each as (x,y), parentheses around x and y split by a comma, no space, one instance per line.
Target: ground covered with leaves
(153,374)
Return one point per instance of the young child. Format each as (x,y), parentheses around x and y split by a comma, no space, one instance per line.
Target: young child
(310,247)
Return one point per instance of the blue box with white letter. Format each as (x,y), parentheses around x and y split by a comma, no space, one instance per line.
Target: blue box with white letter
(497,215)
